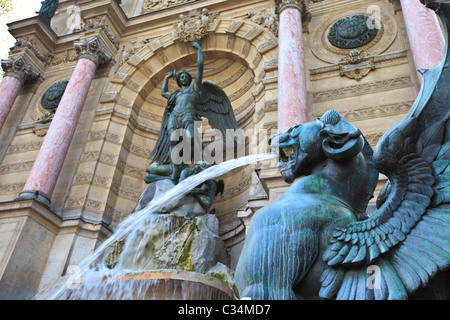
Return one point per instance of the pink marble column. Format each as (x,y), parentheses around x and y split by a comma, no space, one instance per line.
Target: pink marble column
(17,72)
(45,172)
(424,33)
(292,94)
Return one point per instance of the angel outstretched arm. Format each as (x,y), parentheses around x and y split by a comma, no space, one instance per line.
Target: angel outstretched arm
(164,90)
(200,65)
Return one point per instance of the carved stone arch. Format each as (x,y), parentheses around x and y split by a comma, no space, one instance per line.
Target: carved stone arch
(245,50)
(239,40)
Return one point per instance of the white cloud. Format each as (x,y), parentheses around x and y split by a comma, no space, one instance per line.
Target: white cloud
(22,9)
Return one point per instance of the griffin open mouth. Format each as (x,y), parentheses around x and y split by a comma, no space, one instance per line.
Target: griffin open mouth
(287,154)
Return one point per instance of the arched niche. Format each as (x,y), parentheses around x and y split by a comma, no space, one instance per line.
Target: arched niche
(236,53)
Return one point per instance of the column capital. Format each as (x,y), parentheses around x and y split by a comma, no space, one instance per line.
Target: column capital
(300,5)
(19,68)
(93,50)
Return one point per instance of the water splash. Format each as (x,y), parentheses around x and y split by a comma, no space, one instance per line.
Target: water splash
(132,222)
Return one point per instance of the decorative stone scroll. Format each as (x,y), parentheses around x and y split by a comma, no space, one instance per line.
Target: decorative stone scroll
(357,64)
(42,124)
(93,50)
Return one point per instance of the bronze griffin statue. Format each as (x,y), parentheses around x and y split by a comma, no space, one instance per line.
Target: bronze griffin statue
(318,242)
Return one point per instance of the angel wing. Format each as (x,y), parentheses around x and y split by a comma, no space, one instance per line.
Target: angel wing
(216,107)
(408,237)
(161,152)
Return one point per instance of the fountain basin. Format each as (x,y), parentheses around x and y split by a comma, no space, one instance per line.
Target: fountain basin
(164,284)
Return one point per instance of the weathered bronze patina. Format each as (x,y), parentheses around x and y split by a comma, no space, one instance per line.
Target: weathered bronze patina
(186,106)
(318,242)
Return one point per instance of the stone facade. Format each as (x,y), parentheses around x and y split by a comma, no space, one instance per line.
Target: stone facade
(136,44)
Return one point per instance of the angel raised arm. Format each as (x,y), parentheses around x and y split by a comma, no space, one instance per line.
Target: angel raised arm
(184,107)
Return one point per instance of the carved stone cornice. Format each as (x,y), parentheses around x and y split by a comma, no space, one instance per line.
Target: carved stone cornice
(300,5)
(93,50)
(19,68)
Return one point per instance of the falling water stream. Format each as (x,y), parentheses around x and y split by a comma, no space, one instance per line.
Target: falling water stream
(92,272)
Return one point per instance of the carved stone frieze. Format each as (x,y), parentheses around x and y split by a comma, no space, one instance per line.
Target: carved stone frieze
(67,57)
(153,5)
(19,68)
(385,110)
(16,167)
(194,25)
(362,89)
(12,188)
(92,49)
(24,147)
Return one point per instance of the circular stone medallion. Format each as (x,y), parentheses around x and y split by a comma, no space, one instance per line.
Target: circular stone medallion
(51,98)
(351,32)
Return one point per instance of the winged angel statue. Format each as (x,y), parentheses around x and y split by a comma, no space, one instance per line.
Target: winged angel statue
(184,107)
(317,242)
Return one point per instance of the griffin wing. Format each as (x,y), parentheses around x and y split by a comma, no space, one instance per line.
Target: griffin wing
(161,152)
(216,107)
(408,237)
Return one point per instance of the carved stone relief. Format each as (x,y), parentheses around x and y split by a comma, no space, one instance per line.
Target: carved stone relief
(357,64)
(194,25)
(267,18)
(27,42)
(43,123)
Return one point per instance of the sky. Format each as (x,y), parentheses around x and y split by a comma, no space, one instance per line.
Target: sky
(22,9)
